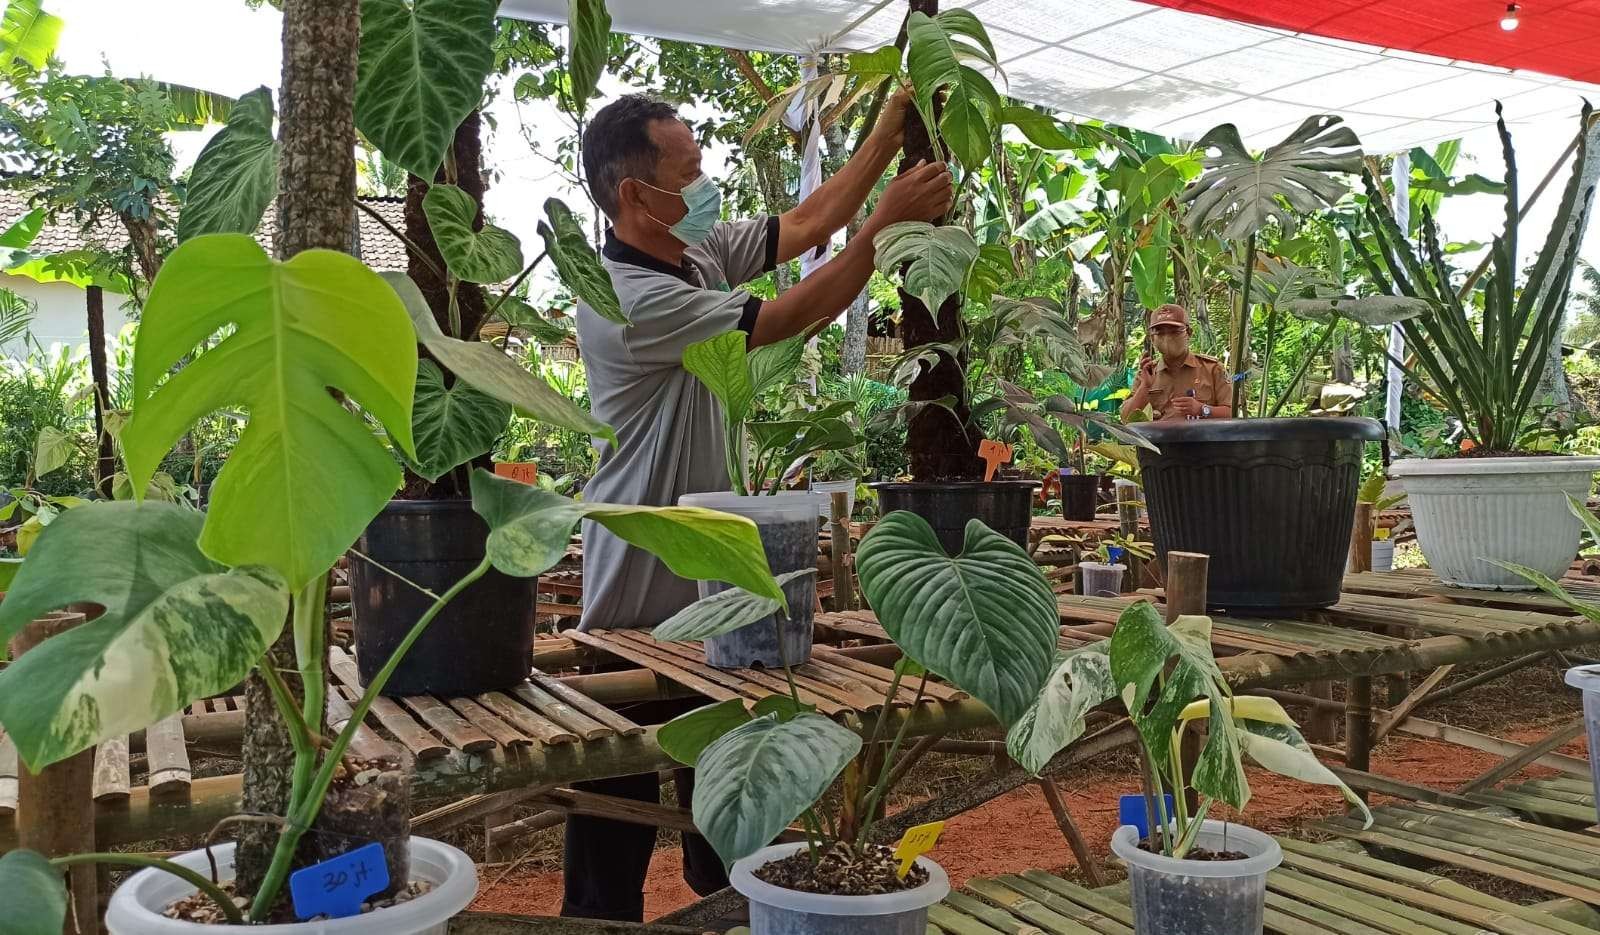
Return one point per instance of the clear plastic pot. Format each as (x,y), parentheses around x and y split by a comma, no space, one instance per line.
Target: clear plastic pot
(787,523)
(1100,579)
(137,905)
(775,910)
(1587,680)
(1200,897)
(825,489)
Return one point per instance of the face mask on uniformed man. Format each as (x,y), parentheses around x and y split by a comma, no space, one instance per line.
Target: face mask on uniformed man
(703,199)
(1170,345)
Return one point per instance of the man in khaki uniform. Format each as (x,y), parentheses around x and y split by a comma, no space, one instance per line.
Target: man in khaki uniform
(1181,384)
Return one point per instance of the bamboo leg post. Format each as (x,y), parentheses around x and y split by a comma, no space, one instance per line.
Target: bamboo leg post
(1128,520)
(1399,712)
(1361,539)
(55,806)
(839,533)
(1069,830)
(1186,583)
(1358,724)
(1322,726)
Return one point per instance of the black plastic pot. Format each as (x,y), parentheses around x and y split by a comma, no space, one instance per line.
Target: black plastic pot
(1270,500)
(481,641)
(1080,494)
(1006,506)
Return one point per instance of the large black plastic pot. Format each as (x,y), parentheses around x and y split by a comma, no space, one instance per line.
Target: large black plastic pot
(1270,500)
(1006,506)
(481,641)
(1080,494)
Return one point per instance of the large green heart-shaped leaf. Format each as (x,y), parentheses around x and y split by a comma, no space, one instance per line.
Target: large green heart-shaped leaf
(985,620)
(722,612)
(487,368)
(588,47)
(940,47)
(939,259)
(1080,681)
(490,254)
(686,736)
(1238,194)
(36,895)
(577,265)
(757,778)
(28,34)
(307,475)
(236,174)
(422,68)
(774,364)
(177,626)
(529,529)
(719,363)
(453,424)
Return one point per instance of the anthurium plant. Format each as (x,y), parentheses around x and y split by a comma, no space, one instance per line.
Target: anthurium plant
(985,621)
(1165,677)
(761,453)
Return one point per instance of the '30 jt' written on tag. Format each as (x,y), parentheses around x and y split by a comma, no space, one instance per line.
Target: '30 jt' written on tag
(337,886)
(916,842)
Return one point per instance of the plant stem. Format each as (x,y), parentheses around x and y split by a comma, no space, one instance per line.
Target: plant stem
(514,284)
(1180,783)
(399,235)
(1305,364)
(1266,361)
(1241,336)
(880,787)
(299,733)
(306,807)
(390,571)
(197,880)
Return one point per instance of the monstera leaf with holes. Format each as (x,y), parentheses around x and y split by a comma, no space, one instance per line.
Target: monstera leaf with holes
(984,620)
(486,254)
(177,626)
(1238,193)
(307,475)
(941,48)
(236,174)
(529,530)
(421,72)
(936,259)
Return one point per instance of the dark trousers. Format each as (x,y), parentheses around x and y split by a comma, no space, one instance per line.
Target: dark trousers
(606,860)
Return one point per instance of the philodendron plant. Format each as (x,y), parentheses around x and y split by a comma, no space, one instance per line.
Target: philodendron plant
(760,454)
(1165,677)
(192,601)
(984,620)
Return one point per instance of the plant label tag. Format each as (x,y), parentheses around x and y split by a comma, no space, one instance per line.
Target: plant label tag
(526,472)
(337,886)
(994,454)
(916,842)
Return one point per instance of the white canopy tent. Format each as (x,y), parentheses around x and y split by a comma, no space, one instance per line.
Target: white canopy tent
(1167,71)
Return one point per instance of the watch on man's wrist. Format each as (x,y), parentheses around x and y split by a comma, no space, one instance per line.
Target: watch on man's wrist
(1205,411)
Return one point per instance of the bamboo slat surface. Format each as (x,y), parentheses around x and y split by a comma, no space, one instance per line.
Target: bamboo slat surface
(1334,887)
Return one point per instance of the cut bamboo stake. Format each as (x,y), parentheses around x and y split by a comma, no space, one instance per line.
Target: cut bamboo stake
(1069,829)
(1358,724)
(1128,524)
(55,806)
(839,536)
(1186,582)
(1361,539)
(1322,726)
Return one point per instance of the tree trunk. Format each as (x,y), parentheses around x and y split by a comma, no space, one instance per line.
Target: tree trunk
(146,242)
(105,450)
(471,306)
(316,209)
(936,440)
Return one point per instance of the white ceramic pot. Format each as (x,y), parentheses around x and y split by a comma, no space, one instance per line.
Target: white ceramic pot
(775,910)
(1467,510)
(137,905)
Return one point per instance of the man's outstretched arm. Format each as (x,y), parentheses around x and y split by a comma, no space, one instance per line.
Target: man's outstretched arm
(836,201)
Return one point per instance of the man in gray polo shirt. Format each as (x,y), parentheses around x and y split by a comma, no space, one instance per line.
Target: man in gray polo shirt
(676,267)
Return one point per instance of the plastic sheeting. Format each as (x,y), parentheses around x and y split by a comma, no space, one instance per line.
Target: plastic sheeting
(1168,71)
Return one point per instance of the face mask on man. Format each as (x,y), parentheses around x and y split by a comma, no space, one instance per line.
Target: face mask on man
(1170,344)
(703,199)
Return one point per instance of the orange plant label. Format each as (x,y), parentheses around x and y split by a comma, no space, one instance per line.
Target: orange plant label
(526,472)
(994,454)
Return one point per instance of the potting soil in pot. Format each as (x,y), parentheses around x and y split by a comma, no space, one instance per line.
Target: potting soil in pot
(839,871)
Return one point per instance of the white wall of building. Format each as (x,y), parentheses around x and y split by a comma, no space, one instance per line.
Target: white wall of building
(62,315)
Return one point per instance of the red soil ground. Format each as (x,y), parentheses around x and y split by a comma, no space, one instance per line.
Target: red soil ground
(1016,831)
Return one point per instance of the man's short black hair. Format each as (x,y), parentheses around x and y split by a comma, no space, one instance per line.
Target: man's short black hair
(617,146)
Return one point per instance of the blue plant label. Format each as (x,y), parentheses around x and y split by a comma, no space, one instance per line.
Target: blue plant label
(336,887)
(1114,553)
(1130,808)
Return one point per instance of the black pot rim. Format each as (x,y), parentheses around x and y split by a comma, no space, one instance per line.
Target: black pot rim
(1332,428)
(951,485)
(427,506)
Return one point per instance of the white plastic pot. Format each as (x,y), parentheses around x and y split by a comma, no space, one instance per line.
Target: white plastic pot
(1469,510)
(1200,897)
(1382,555)
(1587,680)
(775,910)
(1101,579)
(137,905)
(825,489)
